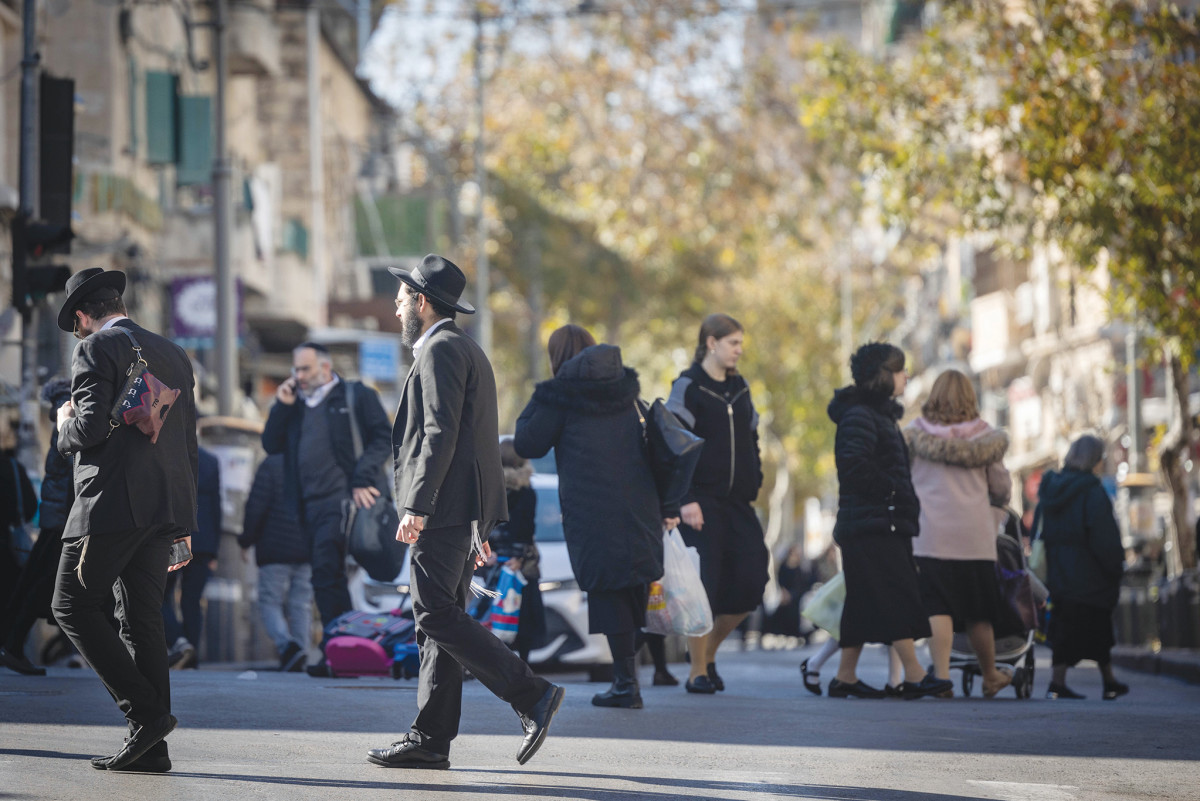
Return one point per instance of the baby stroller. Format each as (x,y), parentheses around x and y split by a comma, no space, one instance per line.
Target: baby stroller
(1021,593)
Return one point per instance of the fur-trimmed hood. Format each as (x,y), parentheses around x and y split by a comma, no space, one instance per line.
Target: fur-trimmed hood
(517,477)
(848,397)
(970,444)
(593,382)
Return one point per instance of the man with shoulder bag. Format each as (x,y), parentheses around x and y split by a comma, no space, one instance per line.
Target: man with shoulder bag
(131,427)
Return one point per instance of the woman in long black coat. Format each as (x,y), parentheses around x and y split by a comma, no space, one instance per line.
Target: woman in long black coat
(876,521)
(612,516)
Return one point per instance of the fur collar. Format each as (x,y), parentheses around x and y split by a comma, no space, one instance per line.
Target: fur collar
(517,477)
(981,449)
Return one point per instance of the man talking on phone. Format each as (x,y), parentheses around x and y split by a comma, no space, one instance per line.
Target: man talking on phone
(135,503)
(309,424)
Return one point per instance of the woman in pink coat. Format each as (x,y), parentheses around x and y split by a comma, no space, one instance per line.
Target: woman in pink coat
(958,475)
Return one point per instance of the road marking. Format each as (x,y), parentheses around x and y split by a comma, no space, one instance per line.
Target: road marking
(1027,791)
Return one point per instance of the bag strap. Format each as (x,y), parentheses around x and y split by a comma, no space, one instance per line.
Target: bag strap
(354,433)
(114,415)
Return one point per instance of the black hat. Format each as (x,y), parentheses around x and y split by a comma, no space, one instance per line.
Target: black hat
(94,283)
(439,279)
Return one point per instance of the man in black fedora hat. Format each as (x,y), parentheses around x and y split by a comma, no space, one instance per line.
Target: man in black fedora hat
(135,496)
(450,486)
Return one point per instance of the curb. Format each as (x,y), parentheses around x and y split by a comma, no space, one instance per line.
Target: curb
(1180,663)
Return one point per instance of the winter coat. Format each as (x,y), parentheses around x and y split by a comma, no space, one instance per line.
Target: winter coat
(206,539)
(722,413)
(58,483)
(1084,555)
(875,490)
(270,524)
(958,475)
(612,516)
(281,434)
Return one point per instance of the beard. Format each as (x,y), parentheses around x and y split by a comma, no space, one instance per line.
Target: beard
(410,328)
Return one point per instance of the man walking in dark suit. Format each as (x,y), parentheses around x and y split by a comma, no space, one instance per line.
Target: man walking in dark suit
(135,496)
(450,484)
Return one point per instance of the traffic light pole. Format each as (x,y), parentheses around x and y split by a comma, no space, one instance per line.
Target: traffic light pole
(27,447)
(226,339)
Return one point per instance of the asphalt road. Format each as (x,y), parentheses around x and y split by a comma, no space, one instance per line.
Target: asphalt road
(290,737)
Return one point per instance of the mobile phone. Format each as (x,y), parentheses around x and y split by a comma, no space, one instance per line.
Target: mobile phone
(180,552)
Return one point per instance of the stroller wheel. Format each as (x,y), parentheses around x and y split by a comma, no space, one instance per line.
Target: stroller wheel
(968,681)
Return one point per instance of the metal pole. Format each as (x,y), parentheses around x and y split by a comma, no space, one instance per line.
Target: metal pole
(1133,398)
(364,27)
(226,339)
(483,277)
(316,166)
(847,327)
(27,447)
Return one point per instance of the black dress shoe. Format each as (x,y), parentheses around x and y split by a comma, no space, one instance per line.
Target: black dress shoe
(537,723)
(156,760)
(1114,691)
(930,685)
(701,684)
(1061,691)
(14,660)
(891,691)
(663,678)
(843,689)
(715,677)
(146,737)
(408,753)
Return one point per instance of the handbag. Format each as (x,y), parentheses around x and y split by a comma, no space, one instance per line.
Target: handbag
(505,616)
(672,449)
(686,599)
(371,533)
(144,400)
(1037,550)
(824,609)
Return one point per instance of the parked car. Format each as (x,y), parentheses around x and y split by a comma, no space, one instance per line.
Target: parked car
(567,642)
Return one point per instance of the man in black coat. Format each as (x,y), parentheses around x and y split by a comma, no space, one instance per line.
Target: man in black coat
(321,471)
(450,484)
(134,497)
(183,627)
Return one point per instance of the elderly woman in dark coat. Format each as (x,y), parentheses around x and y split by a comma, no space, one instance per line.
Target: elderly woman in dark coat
(876,521)
(1084,563)
(612,516)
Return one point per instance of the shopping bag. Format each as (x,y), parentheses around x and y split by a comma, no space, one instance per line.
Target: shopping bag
(1037,551)
(686,600)
(824,609)
(506,610)
(658,620)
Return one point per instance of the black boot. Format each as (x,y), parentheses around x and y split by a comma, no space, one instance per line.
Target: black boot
(624,692)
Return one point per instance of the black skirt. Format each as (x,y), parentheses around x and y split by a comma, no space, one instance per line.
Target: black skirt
(1079,631)
(883,598)
(618,611)
(733,555)
(965,590)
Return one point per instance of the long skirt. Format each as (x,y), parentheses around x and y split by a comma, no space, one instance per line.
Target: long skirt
(883,597)
(1080,631)
(618,611)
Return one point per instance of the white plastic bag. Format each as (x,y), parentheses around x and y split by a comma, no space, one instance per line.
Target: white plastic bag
(687,602)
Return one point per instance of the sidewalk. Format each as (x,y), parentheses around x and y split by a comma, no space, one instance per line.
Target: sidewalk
(1181,663)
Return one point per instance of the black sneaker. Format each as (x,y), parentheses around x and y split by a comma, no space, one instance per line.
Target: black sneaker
(1057,692)
(292,659)
(1115,690)
(182,655)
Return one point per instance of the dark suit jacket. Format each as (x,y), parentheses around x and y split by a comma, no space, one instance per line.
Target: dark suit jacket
(123,482)
(446,440)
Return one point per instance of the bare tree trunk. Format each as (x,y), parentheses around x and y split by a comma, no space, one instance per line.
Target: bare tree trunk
(1172,455)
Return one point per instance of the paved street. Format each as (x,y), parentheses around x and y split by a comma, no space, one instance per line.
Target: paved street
(269,736)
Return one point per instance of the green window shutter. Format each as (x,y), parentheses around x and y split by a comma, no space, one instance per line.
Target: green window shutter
(133,117)
(195,141)
(162,90)
(295,237)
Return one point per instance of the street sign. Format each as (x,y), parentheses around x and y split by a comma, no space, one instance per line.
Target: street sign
(379,359)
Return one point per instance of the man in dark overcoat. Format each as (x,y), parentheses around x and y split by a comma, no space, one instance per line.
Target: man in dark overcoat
(134,497)
(450,486)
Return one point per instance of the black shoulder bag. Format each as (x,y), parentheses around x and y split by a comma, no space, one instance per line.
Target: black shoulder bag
(672,449)
(371,533)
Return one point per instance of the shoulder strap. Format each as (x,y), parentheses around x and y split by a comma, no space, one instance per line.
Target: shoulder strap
(354,433)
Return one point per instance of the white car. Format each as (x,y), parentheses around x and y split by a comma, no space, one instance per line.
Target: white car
(567,642)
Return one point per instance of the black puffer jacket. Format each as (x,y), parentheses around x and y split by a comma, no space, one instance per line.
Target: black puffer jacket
(722,413)
(875,489)
(1084,557)
(58,482)
(270,522)
(612,519)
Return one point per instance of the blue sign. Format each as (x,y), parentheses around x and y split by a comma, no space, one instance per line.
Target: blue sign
(379,359)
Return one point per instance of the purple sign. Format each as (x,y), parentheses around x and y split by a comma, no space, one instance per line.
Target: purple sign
(194,310)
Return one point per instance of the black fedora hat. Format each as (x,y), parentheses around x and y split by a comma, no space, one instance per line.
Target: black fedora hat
(94,283)
(439,279)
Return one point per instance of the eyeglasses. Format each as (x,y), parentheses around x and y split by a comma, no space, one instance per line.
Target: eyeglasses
(398,302)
